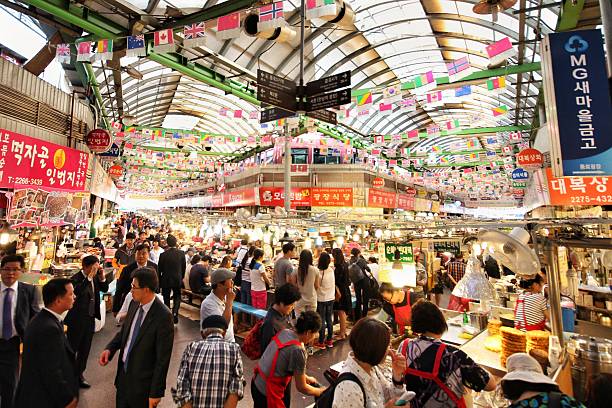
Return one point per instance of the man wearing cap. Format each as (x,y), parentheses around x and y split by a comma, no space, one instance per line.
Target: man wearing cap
(210,373)
(81,318)
(221,300)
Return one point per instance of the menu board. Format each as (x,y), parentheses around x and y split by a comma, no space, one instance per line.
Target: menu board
(331,197)
(37,207)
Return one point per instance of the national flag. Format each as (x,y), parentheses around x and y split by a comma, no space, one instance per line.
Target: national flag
(392,93)
(104,50)
(515,136)
(385,109)
(507,149)
(136,46)
(376,152)
(497,84)
(500,110)
(500,50)
(491,141)
(443,160)
(436,149)
(363,99)
(320,8)
(424,82)
(470,144)
(379,139)
(457,146)
(433,130)
(254,115)
(458,69)
(491,153)
(452,125)
(116,126)
(223,111)
(163,41)
(396,137)
(363,111)
(271,16)
(463,91)
(62,53)
(435,98)
(238,114)
(194,35)
(84,51)
(344,114)
(228,26)
(472,157)
(408,104)
(413,134)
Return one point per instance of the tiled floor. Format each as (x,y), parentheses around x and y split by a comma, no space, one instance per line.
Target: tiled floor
(102,393)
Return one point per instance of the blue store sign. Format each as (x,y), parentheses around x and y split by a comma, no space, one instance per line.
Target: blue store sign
(578,103)
(520,174)
(112,152)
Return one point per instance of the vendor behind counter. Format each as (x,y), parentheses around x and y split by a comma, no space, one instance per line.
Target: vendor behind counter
(397,303)
(530,310)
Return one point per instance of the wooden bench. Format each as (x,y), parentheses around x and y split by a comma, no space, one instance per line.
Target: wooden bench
(191,295)
(248,309)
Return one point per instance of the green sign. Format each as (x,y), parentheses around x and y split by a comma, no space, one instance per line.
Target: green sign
(404,249)
(518,184)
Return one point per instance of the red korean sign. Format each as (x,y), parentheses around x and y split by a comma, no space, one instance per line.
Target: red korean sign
(378,182)
(239,198)
(579,190)
(381,199)
(331,197)
(275,196)
(115,171)
(531,158)
(98,141)
(299,169)
(31,162)
(405,202)
(411,191)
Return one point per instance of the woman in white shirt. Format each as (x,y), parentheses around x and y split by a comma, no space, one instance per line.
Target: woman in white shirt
(308,283)
(259,280)
(325,300)
(369,341)
(374,267)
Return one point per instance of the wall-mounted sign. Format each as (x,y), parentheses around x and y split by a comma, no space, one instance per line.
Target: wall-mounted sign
(239,198)
(299,169)
(530,158)
(98,140)
(275,196)
(115,171)
(381,199)
(411,191)
(113,152)
(579,190)
(578,103)
(405,252)
(331,197)
(378,182)
(520,174)
(405,202)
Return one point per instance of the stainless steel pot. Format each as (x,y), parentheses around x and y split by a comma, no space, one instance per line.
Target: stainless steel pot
(589,356)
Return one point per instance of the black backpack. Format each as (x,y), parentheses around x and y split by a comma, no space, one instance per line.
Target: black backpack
(326,399)
(355,272)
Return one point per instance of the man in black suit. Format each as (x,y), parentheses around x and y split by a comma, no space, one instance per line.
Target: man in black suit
(125,279)
(145,343)
(171,270)
(49,377)
(81,318)
(19,303)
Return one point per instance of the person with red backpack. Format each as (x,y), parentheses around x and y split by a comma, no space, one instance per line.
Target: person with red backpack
(437,372)
(284,359)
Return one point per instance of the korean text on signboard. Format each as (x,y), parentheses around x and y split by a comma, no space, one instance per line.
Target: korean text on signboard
(405,202)
(578,103)
(405,251)
(27,161)
(381,199)
(275,196)
(331,197)
(579,190)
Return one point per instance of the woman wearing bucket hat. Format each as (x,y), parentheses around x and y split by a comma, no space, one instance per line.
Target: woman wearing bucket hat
(525,385)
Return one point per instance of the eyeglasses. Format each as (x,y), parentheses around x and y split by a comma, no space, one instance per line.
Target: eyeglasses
(135,287)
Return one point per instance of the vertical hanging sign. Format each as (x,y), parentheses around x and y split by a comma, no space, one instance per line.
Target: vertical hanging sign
(577,103)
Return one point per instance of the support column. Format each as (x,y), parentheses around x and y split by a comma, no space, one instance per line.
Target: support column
(606,20)
(287,172)
(554,287)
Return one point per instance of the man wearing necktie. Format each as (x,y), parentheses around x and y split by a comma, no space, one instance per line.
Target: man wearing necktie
(81,318)
(19,303)
(145,342)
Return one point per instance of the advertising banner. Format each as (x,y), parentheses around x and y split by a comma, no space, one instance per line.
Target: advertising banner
(239,198)
(578,104)
(37,207)
(331,197)
(275,197)
(31,162)
(381,199)
(579,190)
(405,202)
(404,249)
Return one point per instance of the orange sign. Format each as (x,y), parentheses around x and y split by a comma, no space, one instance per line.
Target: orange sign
(530,158)
(579,190)
(115,171)
(378,182)
(331,197)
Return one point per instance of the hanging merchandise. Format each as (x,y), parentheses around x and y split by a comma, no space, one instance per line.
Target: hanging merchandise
(104,50)
(458,69)
(271,16)
(84,51)
(163,41)
(136,46)
(62,53)
(228,26)
(500,51)
(194,35)
(320,8)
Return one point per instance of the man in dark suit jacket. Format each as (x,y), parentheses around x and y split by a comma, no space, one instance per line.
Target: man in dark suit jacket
(145,343)
(48,372)
(125,279)
(81,319)
(171,270)
(20,307)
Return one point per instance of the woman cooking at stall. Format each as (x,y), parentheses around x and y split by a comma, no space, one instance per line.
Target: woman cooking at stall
(398,304)
(530,311)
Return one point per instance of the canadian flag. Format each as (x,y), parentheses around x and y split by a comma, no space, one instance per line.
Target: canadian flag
(163,41)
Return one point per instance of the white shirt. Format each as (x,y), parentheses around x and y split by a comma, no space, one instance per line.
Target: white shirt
(155,253)
(211,306)
(3,288)
(126,306)
(375,269)
(59,317)
(257,281)
(327,289)
(145,309)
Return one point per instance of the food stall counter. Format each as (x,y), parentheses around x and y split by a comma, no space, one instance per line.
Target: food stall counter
(487,359)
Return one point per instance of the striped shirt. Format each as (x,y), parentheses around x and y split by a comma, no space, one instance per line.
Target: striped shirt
(533,310)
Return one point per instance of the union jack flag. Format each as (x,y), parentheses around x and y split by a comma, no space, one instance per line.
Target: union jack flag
(271,11)
(62,52)
(196,30)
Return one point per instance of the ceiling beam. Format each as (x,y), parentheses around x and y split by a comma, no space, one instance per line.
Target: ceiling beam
(37,64)
(570,14)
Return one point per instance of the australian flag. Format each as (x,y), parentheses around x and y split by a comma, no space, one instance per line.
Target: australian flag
(136,46)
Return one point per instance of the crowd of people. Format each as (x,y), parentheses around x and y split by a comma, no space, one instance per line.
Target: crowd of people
(150,272)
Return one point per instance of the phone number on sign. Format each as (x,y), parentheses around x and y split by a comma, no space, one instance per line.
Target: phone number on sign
(25,181)
(602,199)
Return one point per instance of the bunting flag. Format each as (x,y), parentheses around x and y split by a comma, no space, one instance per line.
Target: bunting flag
(223,111)
(385,109)
(434,98)
(84,51)
(458,69)
(344,114)
(228,26)
(363,99)
(392,93)
(452,125)
(424,82)
(497,84)
(271,16)
(104,50)
(320,8)
(238,114)
(62,53)
(412,134)
(463,91)
(163,41)
(408,104)
(116,126)
(500,51)
(433,130)
(194,35)
(136,46)
(500,111)
(379,139)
